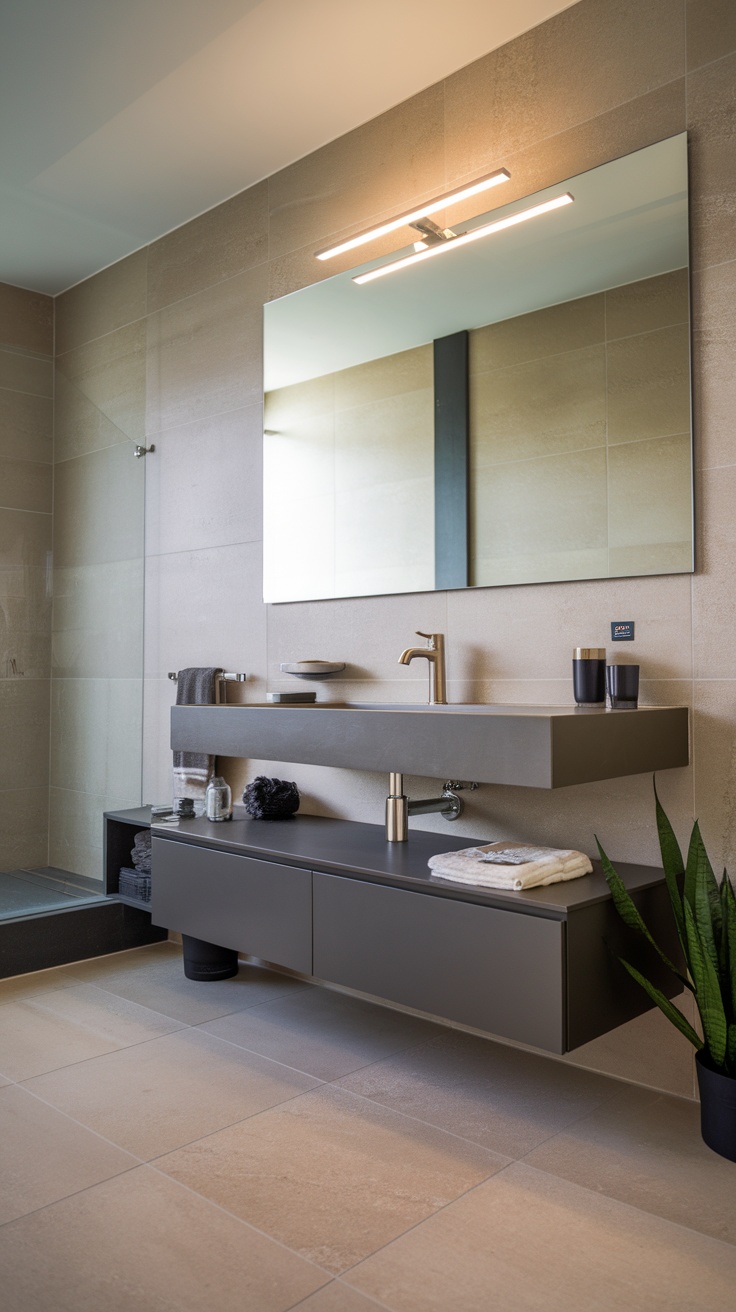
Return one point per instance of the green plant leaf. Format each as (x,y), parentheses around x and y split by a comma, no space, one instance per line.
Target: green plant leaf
(707,991)
(728,940)
(672,1012)
(630,915)
(706,899)
(672,864)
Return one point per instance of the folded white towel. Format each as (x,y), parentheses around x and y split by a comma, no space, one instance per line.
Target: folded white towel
(510,865)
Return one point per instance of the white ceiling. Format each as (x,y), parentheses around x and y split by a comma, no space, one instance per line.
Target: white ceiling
(122,119)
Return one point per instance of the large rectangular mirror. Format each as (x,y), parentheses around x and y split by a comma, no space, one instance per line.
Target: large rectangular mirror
(515,411)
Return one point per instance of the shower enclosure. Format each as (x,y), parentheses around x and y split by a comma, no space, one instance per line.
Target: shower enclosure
(71,599)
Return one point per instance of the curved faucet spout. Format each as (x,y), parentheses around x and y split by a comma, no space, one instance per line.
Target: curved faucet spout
(434,654)
(407,656)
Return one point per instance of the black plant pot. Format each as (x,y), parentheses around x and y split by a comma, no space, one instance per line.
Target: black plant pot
(717,1108)
(205,961)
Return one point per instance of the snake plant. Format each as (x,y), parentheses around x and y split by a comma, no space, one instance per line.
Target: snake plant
(705,916)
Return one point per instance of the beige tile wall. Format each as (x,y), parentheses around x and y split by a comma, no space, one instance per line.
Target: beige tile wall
(26,436)
(580,444)
(602,78)
(349,474)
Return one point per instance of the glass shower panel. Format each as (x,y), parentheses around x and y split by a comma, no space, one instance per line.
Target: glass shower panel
(71,600)
(97,650)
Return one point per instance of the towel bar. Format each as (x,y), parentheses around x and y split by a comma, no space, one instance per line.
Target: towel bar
(222,678)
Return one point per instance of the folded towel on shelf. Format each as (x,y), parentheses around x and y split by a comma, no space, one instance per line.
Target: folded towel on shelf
(141,851)
(195,686)
(512,866)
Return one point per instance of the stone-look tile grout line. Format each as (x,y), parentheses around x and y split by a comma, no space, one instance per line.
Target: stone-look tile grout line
(630,1207)
(146,1165)
(337,1280)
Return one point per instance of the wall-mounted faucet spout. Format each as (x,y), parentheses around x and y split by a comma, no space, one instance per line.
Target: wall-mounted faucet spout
(434,653)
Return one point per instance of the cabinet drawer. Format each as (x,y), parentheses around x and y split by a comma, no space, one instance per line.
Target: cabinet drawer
(495,970)
(257,907)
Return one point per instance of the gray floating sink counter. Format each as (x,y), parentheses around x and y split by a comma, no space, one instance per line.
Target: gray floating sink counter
(528,746)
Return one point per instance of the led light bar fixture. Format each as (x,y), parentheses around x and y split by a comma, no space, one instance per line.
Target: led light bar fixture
(432,206)
(466,237)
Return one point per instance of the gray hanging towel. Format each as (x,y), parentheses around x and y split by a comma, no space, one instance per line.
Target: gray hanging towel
(193,770)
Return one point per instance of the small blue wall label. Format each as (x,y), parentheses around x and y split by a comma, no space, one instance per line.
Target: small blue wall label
(622,631)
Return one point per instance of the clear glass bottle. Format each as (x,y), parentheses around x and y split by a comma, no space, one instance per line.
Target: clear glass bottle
(218,799)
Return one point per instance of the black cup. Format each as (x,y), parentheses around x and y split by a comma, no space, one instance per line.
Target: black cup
(622,684)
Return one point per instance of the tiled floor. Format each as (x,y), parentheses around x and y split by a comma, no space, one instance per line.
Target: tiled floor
(261,1144)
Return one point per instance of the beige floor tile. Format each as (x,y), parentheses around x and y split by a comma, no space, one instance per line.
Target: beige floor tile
(46,1031)
(647,1151)
(141,1242)
(501,1097)
(330,1175)
(102,1011)
(337,1297)
(164,987)
(45,1156)
(38,981)
(157,1096)
(524,1242)
(324,1033)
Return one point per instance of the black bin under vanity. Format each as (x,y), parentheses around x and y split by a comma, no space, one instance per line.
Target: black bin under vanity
(206,961)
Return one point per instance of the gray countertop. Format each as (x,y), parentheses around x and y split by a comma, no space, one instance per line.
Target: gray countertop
(361,851)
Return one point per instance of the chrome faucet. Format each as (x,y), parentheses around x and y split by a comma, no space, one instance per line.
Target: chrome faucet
(434,653)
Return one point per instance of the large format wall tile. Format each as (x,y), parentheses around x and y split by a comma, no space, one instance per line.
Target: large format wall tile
(711,108)
(98,507)
(548,332)
(204,484)
(204,608)
(529,632)
(544,407)
(714,654)
(204,353)
(642,307)
(96,735)
(714,734)
(26,373)
(24,835)
(101,393)
(98,620)
(592,57)
(714,351)
(26,319)
(25,485)
(226,240)
(26,426)
(711,30)
(113,297)
(648,385)
(24,733)
(377,170)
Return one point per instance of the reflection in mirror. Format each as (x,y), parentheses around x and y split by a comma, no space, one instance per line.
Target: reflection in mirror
(568,403)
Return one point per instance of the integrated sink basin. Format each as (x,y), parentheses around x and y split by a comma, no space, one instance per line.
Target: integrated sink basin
(527,746)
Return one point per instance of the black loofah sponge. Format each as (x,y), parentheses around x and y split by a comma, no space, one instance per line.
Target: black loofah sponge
(271,799)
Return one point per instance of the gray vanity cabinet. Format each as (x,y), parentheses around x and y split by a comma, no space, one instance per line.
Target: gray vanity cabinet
(492,969)
(332,899)
(259,907)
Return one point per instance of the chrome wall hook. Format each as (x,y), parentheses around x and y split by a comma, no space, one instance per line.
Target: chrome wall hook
(139,450)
